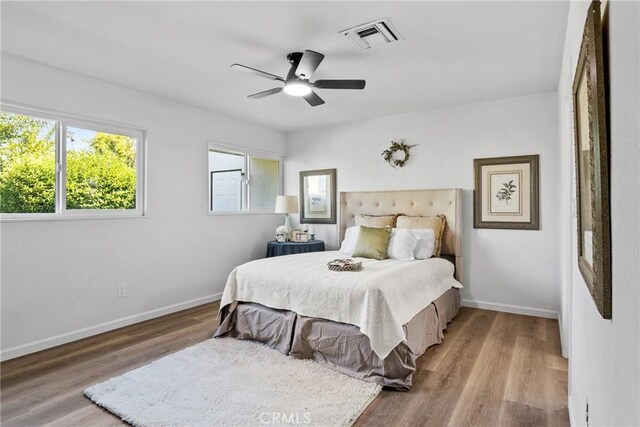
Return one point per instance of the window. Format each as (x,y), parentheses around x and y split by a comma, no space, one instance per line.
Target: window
(27,164)
(58,167)
(241,180)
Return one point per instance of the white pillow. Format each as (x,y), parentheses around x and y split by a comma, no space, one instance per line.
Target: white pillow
(402,244)
(426,242)
(348,245)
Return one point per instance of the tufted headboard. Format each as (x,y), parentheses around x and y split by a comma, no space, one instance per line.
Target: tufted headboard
(413,203)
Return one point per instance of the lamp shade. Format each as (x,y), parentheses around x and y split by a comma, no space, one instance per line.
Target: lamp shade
(287,204)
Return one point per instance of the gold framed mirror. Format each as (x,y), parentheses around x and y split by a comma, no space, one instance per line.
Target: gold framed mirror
(592,164)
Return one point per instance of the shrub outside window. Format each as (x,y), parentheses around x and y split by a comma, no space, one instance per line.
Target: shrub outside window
(53,167)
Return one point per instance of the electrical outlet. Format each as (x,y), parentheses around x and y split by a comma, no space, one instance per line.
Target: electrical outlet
(586,412)
(121,290)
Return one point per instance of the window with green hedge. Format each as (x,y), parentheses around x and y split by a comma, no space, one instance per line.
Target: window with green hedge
(52,166)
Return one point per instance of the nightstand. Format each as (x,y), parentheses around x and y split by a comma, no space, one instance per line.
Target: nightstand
(288,248)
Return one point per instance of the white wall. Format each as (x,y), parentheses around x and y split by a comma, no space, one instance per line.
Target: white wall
(59,277)
(506,268)
(604,361)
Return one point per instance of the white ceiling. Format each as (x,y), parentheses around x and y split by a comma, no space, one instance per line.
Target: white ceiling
(453,52)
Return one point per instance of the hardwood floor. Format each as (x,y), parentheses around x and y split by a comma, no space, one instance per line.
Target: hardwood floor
(492,369)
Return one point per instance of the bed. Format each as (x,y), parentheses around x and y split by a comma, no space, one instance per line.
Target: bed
(372,324)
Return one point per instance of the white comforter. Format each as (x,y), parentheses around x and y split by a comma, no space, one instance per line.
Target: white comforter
(379,299)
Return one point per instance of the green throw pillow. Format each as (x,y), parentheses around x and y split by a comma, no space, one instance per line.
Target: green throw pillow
(372,242)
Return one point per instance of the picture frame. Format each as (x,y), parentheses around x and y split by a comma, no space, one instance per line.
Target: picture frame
(506,193)
(592,164)
(318,197)
(299,236)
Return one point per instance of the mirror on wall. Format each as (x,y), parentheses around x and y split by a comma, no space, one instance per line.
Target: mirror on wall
(318,196)
(592,165)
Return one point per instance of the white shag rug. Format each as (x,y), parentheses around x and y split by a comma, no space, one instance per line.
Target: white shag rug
(229,382)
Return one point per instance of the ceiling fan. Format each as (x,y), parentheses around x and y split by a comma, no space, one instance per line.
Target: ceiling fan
(298,83)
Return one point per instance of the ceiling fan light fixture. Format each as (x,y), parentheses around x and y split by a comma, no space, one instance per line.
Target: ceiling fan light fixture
(297,82)
(297,89)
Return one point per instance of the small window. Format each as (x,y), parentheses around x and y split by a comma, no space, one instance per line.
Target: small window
(264,182)
(27,164)
(243,181)
(52,167)
(227,175)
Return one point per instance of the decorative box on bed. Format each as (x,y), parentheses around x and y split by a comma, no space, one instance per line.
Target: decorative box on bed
(372,324)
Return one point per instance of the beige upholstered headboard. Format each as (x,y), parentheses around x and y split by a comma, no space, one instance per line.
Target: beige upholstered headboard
(414,203)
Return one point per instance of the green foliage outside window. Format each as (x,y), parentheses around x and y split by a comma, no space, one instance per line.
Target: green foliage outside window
(100,180)
(102,176)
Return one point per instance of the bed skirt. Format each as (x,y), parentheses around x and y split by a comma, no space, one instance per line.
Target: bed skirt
(342,346)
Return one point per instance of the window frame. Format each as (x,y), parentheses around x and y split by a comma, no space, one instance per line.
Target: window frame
(63,121)
(247,153)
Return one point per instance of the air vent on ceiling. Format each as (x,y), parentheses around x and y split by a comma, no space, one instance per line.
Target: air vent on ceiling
(372,34)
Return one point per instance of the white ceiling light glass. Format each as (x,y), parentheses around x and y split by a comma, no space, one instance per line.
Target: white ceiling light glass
(297,89)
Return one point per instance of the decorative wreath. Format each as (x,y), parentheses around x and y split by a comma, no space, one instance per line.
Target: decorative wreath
(397,146)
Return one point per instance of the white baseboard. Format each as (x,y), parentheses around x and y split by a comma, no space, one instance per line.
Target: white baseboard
(516,309)
(569,406)
(564,345)
(57,340)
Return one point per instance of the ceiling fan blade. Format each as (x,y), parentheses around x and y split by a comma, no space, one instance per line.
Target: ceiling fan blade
(308,64)
(256,72)
(339,84)
(313,99)
(265,93)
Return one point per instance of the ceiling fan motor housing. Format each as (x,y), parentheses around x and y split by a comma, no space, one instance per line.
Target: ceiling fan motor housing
(298,80)
(294,59)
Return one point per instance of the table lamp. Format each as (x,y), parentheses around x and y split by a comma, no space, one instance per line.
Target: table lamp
(287,205)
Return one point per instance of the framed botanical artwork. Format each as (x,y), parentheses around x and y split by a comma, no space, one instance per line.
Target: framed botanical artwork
(591,161)
(318,196)
(506,193)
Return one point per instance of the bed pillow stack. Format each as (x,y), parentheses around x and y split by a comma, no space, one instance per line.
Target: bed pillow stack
(425,242)
(436,223)
(373,242)
(404,244)
(350,238)
(375,220)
